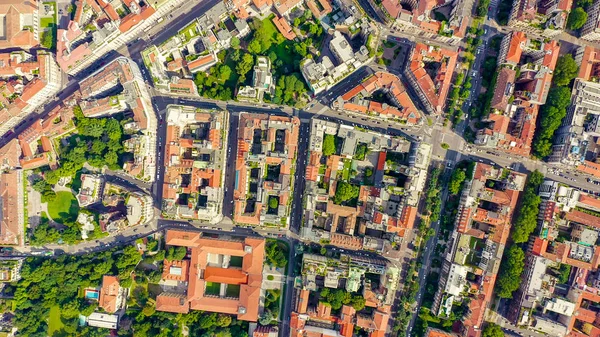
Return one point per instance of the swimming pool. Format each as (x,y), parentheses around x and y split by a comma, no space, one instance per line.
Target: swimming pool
(91,294)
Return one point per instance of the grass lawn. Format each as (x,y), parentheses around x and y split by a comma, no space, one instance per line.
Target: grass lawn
(47,22)
(232,290)
(54,322)
(279,49)
(346,170)
(213,288)
(64,208)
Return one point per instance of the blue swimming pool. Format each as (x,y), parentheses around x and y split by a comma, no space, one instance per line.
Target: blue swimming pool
(91,294)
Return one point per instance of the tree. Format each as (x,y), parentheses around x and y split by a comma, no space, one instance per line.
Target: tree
(235,42)
(551,116)
(577,18)
(564,273)
(456,180)
(266,318)
(511,269)
(344,192)
(358,302)
(47,39)
(39,185)
(273,202)
(566,70)
(274,255)
(361,151)
(328,145)
(584,3)
(526,221)
(492,330)
(245,64)
(323,251)
(254,46)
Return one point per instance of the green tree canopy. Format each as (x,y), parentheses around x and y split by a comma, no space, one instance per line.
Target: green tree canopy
(456,180)
(492,330)
(273,202)
(577,18)
(565,71)
(526,221)
(344,192)
(511,269)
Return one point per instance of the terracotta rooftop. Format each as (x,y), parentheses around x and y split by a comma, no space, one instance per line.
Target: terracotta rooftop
(109,293)
(284,27)
(175,270)
(515,48)
(435,88)
(204,253)
(10,229)
(15,34)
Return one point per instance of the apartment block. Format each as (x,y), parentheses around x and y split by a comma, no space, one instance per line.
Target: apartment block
(262,82)
(97,99)
(591,29)
(474,252)
(566,236)
(220,274)
(26,82)
(325,74)
(546,18)
(264,166)
(313,317)
(399,107)
(416,17)
(429,73)
(20,24)
(384,209)
(12,209)
(195,161)
(104,26)
(192,49)
(517,98)
(576,140)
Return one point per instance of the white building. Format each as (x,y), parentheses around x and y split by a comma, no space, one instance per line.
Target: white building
(341,48)
(101,320)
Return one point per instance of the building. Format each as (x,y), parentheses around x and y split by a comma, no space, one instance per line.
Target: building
(97,99)
(568,305)
(26,82)
(313,317)
(112,296)
(262,82)
(575,142)
(91,189)
(341,48)
(106,29)
(11,201)
(416,17)
(400,107)
(381,214)
(195,162)
(267,146)
(591,29)
(476,244)
(101,320)
(20,24)
(517,98)
(429,73)
(224,275)
(546,18)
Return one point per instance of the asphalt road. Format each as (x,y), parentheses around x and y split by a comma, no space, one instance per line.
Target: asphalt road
(300,178)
